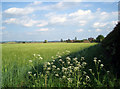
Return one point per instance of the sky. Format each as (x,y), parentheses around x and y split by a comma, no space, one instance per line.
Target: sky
(39,21)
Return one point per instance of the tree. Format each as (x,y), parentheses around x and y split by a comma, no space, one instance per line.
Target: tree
(99,38)
(45,41)
(61,40)
(75,38)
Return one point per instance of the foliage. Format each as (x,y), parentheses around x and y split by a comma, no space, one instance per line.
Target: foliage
(45,41)
(71,72)
(62,40)
(15,59)
(99,38)
(112,45)
(75,38)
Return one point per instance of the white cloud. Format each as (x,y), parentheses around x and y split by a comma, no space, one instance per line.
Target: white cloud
(80,30)
(43,29)
(25,21)
(58,19)
(43,23)
(97,24)
(98,30)
(80,12)
(19,11)
(54,18)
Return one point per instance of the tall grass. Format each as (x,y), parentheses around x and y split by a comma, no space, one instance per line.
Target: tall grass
(15,59)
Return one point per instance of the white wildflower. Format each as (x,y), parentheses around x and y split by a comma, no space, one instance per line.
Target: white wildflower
(58,68)
(48,63)
(87,78)
(90,70)
(30,60)
(108,72)
(29,72)
(76,68)
(48,68)
(56,75)
(99,60)
(34,74)
(64,76)
(101,65)
(41,58)
(95,58)
(82,58)
(70,80)
(33,54)
(60,60)
(84,72)
(38,55)
(68,62)
(53,66)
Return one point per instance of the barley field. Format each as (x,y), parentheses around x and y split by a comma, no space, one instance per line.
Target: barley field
(35,65)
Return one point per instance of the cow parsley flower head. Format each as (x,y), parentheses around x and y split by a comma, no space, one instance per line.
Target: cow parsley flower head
(48,63)
(101,65)
(56,75)
(30,60)
(29,72)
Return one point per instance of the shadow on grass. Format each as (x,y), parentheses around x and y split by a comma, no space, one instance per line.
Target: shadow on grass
(88,53)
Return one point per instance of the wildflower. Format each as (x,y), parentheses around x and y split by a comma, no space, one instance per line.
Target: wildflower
(58,68)
(76,68)
(48,63)
(64,76)
(79,66)
(38,55)
(101,65)
(68,62)
(70,80)
(87,78)
(56,75)
(84,63)
(52,57)
(63,62)
(84,72)
(48,68)
(67,51)
(68,58)
(82,58)
(53,66)
(33,54)
(108,72)
(99,60)
(95,61)
(60,60)
(90,70)
(75,59)
(30,60)
(29,72)
(70,67)
(79,63)
(95,58)
(51,62)
(34,74)
(41,58)
(59,56)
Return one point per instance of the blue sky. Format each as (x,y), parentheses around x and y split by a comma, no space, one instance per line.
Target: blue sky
(41,21)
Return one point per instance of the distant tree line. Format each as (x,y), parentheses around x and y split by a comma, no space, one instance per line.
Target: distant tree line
(98,39)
